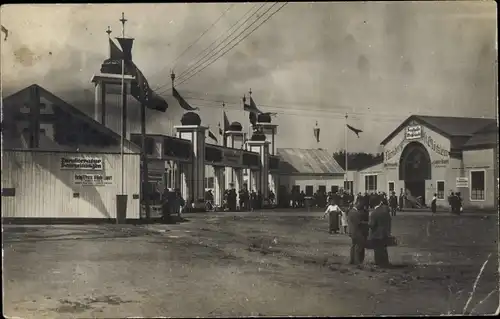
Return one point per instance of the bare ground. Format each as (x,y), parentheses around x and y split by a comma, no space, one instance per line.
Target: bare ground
(241,264)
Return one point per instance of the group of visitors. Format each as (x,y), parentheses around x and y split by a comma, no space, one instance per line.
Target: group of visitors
(243,200)
(367,222)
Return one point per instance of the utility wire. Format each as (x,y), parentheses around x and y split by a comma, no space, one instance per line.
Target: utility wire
(201,35)
(224,53)
(208,47)
(201,61)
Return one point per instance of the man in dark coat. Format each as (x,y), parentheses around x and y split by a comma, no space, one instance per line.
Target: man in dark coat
(380,231)
(357,225)
(393,203)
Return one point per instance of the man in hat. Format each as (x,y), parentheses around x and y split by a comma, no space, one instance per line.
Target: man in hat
(357,226)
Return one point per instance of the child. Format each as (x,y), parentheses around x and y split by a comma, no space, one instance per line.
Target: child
(333,211)
(343,220)
(433,204)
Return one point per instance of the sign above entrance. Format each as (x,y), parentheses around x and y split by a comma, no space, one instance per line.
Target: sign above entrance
(462,182)
(413,132)
(82,163)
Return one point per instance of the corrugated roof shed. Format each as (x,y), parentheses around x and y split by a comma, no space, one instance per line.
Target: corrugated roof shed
(457,126)
(307,162)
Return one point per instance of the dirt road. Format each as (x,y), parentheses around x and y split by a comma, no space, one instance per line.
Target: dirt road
(225,264)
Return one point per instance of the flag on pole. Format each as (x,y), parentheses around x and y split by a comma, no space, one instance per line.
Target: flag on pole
(142,92)
(126,44)
(355,130)
(114,51)
(183,103)
(212,136)
(252,107)
(226,125)
(316,132)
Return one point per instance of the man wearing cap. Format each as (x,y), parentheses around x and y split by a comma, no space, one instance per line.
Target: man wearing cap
(357,227)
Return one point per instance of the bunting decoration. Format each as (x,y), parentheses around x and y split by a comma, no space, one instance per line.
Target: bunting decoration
(355,130)
(316,132)
(183,103)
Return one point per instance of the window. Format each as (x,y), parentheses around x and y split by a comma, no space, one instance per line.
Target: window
(334,189)
(348,186)
(322,188)
(477,181)
(371,183)
(309,190)
(209,182)
(440,189)
(391,187)
(295,189)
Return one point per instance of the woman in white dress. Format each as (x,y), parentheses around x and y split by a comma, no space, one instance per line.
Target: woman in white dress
(333,211)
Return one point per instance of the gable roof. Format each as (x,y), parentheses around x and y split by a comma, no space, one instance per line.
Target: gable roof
(307,161)
(487,137)
(450,127)
(25,93)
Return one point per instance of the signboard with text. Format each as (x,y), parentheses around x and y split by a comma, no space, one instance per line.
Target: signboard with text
(462,182)
(413,132)
(92,179)
(82,163)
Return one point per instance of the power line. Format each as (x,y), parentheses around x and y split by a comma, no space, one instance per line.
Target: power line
(204,32)
(208,47)
(203,60)
(224,53)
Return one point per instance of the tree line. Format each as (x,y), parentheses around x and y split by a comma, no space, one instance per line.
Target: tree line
(358,160)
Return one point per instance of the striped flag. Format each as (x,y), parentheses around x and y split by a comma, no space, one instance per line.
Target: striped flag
(355,130)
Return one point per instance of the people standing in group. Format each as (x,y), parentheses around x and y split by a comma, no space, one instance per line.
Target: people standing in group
(393,203)
(434,204)
(380,232)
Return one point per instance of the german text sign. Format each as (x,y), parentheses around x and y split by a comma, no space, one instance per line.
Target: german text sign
(82,163)
(413,132)
(92,179)
(462,182)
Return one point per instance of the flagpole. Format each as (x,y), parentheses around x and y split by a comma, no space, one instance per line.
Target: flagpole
(122,140)
(223,137)
(346,157)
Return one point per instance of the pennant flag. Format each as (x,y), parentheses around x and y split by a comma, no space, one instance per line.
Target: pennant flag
(183,103)
(142,92)
(221,132)
(355,130)
(252,107)
(114,51)
(212,136)
(252,116)
(4,30)
(226,122)
(126,44)
(316,132)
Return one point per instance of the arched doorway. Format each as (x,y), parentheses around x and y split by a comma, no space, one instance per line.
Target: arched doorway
(415,169)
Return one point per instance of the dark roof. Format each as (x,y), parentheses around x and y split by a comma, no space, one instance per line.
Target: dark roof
(307,161)
(43,93)
(487,137)
(451,127)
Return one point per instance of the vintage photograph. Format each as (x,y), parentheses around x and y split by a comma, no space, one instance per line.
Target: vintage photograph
(249,159)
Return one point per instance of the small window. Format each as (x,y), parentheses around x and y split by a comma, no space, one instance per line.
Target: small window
(477,185)
(322,188)
(42,131)
(391,187)
(440,189)
(8,192)
(309,190)
(334,189)
(371,183)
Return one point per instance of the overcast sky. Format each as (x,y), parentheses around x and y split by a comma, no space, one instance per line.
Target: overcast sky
(380,62)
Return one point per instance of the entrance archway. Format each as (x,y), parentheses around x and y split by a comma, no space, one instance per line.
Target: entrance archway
(415,169)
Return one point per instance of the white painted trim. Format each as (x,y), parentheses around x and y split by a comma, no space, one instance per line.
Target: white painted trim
(444,189)
(470,185)
(376,184)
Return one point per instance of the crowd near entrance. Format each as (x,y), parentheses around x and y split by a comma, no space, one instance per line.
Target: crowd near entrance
(415,169)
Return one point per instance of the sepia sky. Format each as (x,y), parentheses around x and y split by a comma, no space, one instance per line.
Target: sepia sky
(311,62)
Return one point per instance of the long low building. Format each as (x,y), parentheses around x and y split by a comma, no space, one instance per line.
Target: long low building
(428,155)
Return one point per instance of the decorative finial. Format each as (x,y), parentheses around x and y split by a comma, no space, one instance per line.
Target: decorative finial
(250,92)
(123,20)
(172,75)
(223,104)
(346,115)
(109,31)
